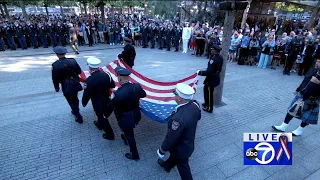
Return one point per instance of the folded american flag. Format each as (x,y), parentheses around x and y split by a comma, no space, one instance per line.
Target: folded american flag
(159,103)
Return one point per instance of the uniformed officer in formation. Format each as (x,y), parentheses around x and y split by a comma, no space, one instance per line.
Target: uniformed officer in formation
(125,103)
(96,88)
(129,53)
(182,126)
(65,71)
(20,35)
(212,77)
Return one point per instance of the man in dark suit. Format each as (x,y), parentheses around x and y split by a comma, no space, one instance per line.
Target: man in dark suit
(96,88)
(125,103)
(66,71)
(129,53)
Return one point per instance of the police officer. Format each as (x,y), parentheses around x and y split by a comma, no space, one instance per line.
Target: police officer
(52,33)
(144,30)
(168,33)
(43,35)
(153,32)
(177,37)
(32,31)
(9,33)
(129,53)
(181,132)
(212,77)
(160,36)
(20,35)
(66,71)
(125,103)
(96,88)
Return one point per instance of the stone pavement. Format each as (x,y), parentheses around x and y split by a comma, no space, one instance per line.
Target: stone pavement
(40,140)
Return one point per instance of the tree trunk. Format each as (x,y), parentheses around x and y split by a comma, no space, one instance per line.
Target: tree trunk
(6,10)
(23,7)
(47,12)
(61,11)
(85,8)
(1,9)
(315,15)
(227,33)
(102,12)
(245,15)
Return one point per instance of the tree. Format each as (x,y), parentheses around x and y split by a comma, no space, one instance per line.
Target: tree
(230,8)
(1,9)
(245,15)
(315,14)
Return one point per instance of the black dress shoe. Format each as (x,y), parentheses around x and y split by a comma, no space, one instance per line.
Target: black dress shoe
(161,162)
(78,120)
(129,156)
(97,125)
(204,105)
(206,109)
(108,137)
(123,137)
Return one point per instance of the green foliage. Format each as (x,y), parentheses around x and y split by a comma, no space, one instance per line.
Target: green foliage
(291,7)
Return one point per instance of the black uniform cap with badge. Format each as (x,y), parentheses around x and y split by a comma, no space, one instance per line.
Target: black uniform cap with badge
(60,50)
(122,71)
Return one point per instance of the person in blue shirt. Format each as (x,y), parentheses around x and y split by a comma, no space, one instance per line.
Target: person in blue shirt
(244,44)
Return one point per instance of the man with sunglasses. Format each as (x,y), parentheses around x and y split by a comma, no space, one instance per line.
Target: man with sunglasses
(182,126)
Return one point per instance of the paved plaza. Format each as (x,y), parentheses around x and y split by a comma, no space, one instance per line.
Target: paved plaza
(40,140)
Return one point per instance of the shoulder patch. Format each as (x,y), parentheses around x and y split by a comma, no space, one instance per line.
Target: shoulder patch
(175,125)
(211,61)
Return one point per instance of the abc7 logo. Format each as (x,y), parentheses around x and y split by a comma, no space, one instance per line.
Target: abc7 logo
(253,153)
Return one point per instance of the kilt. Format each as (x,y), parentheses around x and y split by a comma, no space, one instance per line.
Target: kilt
(309,116)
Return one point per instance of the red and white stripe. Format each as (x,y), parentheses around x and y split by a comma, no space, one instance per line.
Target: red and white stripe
(157,92)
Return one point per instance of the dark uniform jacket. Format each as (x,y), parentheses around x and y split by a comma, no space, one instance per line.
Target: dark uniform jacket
(125,103)
(213,71)
(97,89)
(128,54)
(182,126)
(66,71)
(307,88)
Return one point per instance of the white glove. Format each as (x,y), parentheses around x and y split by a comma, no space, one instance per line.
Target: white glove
(198,71)
(159,154)
(84,85)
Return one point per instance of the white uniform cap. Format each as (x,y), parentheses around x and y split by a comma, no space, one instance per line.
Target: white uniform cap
(184,91)
(93,62)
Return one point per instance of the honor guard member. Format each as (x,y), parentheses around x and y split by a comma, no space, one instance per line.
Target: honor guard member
(66,71)
(160,36)
(182,126)
(212,77)
(32,31)
(43,35)
(52,33)
(129,53)
(96,88)
(20,35)
(144,36)
(125,103)
(153,32)
(9,33)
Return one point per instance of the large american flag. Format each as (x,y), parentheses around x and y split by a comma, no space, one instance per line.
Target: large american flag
(159,103)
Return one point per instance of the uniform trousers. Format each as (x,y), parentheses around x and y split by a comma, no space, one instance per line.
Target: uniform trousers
(176,43)
(168,41)
(208,97)
(160,42)
(52,39)
(185,45)
(22,42)
(289,62)
(73,101)
(182,165)
(34,41)
(152,41)
(129,134)
(104,124)
(1,44)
